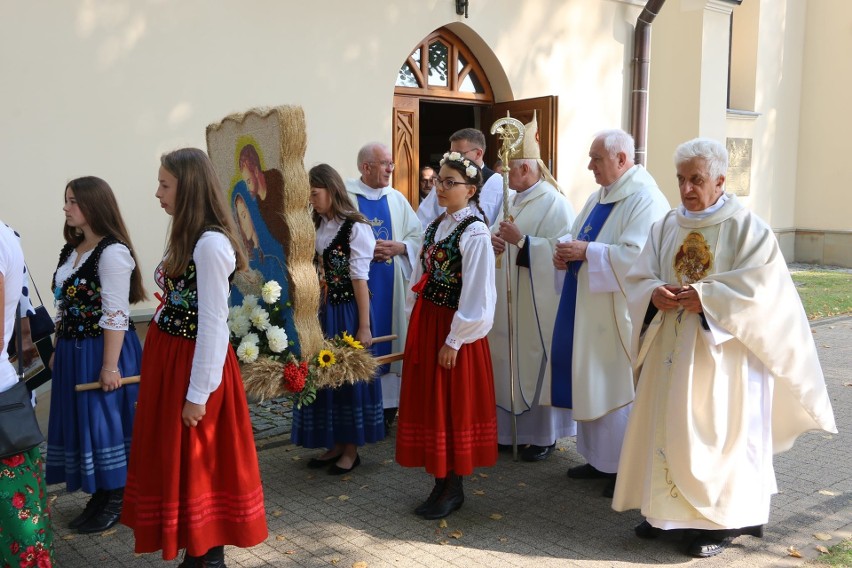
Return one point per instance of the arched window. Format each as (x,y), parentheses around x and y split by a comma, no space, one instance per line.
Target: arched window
(442,66)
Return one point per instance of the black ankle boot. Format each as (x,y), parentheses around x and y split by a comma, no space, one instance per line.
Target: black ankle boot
(107,516)
(190,561)
(215,558)
(451,499)
(436,492)
(93,507)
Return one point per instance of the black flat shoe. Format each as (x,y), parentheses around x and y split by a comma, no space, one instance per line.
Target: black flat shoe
(588,471)
(317,463)
(707,544)
(647,530)
(534,453)
(337,470)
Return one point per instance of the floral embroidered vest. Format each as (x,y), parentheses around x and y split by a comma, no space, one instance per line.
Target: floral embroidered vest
(78,299)
(179,315)
(442,261)
(335,266)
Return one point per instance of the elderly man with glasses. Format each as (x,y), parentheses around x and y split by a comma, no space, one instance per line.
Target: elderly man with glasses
(398,237)
(470,143)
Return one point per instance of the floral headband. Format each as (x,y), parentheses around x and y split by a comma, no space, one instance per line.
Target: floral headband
(470,168)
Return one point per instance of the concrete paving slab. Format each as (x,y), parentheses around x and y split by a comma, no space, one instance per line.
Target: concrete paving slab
(515,514)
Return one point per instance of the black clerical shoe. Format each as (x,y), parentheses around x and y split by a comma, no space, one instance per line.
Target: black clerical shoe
(504,447)
(647,530)
(533,453)
(390,417)
(755,531)
(588,471)
(337,470)
(609,489)
(707,544)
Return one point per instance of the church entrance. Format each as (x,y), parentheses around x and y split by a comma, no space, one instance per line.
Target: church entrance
(441,88)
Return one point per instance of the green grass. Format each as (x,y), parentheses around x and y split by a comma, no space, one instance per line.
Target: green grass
(824,293)
(838,555)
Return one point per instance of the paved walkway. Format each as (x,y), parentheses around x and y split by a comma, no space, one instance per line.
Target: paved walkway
(516,514)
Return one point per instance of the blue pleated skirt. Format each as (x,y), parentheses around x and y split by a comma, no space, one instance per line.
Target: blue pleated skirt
(350,414)
(89,433)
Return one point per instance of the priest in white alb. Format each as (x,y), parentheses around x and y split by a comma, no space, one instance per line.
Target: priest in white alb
(538,214)
(398,238)
(592,373)
(727,369)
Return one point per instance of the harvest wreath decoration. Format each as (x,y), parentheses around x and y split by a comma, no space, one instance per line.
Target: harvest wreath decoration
(271,370)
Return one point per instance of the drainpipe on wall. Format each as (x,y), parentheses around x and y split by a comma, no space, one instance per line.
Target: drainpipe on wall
(641,66)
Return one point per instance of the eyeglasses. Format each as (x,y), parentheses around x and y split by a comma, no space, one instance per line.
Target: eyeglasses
(468,151)
(428,181)
(385,164)
(449,184)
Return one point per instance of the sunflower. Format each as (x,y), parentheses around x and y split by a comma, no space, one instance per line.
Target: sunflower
(351,341)
(325,358)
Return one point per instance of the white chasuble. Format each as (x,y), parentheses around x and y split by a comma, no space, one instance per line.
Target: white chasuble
(710,411)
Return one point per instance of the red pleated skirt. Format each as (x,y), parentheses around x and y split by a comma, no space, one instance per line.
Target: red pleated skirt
(192,488)
(447,417)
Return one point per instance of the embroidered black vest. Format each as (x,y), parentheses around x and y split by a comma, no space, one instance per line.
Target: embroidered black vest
(443,265)
(335,265)
(78,299)
(179,315)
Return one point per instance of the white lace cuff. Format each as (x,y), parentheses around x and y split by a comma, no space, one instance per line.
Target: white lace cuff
(117,320)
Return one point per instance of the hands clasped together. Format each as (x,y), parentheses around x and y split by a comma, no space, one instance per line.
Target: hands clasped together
(672,296)
(570,251)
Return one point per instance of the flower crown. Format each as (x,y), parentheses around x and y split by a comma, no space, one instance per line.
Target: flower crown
(470,168)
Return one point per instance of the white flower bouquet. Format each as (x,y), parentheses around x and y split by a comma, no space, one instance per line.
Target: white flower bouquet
(257,326)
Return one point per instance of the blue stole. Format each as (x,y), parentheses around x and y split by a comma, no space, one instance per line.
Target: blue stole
(381,275)
(562,349)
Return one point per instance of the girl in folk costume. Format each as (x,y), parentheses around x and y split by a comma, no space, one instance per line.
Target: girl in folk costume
(194,481)
(351,415)
(96,280)
(447,411)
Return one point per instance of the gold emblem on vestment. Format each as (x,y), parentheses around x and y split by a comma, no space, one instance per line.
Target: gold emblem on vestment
(693,260)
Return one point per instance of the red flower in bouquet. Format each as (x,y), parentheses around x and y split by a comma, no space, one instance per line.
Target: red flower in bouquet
(295,376)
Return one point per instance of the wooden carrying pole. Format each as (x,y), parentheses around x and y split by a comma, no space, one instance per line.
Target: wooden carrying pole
(135,379)
(97,386)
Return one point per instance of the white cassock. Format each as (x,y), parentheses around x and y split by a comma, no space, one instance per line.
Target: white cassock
(407,230)
(602,375)
(490,200)
(543,214)
(713,405)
